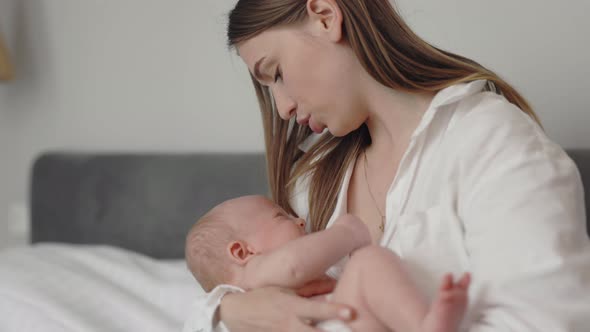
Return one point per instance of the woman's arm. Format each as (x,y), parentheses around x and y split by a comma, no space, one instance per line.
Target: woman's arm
(523,211)
(204,316)
(307,258)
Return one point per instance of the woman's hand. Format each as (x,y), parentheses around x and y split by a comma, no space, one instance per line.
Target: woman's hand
(275,309)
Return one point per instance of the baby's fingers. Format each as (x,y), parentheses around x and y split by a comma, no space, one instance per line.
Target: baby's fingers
(317,287)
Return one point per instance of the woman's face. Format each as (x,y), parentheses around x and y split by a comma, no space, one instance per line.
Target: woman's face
(312,77)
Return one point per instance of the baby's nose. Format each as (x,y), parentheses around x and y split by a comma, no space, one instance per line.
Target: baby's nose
(300,223)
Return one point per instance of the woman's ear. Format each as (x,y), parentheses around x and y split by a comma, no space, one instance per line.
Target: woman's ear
(240,252)
(326,18)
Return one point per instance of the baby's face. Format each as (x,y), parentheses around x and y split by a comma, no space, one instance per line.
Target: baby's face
(268,226)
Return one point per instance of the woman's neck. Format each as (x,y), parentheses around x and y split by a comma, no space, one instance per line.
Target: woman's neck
(393,116)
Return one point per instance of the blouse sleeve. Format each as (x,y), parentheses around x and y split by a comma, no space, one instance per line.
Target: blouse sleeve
(204,316)
(522,203)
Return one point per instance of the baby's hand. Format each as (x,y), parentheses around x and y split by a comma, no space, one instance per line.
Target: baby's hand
(320,286)
(358,229)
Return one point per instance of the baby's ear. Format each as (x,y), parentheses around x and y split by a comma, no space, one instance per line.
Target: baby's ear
(239,252)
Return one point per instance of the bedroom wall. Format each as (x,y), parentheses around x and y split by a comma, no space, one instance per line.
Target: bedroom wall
(155,75)
(118,75)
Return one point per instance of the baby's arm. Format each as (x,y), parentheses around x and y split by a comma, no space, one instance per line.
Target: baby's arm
(307,258)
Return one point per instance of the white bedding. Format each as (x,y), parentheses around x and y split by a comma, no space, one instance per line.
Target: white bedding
(56,287)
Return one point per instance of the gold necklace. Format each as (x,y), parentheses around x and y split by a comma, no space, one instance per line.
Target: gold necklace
(382,225)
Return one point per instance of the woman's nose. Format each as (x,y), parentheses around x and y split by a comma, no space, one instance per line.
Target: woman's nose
(285,105)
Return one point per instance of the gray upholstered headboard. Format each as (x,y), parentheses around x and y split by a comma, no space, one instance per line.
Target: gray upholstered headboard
(142,202)
(146,202)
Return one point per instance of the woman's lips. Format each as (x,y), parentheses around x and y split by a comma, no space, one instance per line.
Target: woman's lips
(315,127)
(303,121)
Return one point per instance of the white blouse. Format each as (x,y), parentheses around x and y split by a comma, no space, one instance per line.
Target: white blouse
(481,189)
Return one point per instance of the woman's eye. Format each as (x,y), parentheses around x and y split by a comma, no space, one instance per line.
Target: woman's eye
(278,74)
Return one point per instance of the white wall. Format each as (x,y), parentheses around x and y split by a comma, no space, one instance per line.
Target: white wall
(119,75)
(156,75)
(541,47)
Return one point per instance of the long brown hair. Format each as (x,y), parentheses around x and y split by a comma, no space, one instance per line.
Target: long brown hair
(389,51)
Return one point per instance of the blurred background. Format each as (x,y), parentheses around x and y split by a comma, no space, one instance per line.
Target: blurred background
(154,75)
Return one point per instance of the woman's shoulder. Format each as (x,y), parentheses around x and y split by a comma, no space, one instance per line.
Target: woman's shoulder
(486,129)
(487,121)
(486,112)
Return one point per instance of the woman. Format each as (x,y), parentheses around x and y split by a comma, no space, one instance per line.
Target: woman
(444,161)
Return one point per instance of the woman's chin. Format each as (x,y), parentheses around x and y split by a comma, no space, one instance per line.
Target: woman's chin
(338,132)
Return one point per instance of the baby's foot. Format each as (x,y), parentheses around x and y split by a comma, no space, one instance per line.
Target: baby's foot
(448,308)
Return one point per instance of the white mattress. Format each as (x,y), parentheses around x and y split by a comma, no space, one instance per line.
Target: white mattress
(56,287)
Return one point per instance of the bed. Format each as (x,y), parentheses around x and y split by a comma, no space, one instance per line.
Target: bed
(108,233)
(107,239)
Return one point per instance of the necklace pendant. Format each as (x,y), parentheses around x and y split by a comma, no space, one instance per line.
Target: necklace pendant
(382,225)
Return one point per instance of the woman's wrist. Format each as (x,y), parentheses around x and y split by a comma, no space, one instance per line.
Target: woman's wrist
(225,308)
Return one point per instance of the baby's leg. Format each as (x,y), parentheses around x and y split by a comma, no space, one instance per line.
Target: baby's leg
(448,308)
(375,283)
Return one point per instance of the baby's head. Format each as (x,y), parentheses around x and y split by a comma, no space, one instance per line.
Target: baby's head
(222,242)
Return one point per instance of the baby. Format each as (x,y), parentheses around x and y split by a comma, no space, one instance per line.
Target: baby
(251,242)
